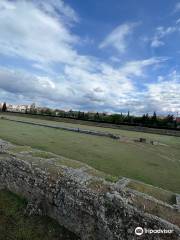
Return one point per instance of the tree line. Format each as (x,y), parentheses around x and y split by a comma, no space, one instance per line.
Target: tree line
(127,119)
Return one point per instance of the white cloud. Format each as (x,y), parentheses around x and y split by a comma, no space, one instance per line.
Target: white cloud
(107,88)
(136,68)
(162,32)
(42,36)
(117,38)
(32,33)
(58,6)
(156,42)
(6,5)
(178,21)
(164,96)
(177,7)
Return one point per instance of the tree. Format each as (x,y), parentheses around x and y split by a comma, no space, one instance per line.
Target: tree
(26,111)
(145,119)
(79,115)
(4,107)
(128,118)
(96,117)
(170,118)
(154,118)
(169,121)
(33,109)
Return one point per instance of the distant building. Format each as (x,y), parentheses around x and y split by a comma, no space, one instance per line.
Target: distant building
(17,108)
(11,108)
(23,108)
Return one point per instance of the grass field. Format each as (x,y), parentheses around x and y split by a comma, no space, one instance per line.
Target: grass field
(14,225)
(158,165)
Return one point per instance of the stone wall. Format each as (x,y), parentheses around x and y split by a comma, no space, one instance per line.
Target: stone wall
(79,130)
(87,205)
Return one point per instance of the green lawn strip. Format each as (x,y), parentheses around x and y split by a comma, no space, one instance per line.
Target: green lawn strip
(175,141)
(156,165)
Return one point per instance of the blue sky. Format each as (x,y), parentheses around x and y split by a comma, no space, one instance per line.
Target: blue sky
(108,55)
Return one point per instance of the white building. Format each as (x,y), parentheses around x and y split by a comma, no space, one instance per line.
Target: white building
(17,108)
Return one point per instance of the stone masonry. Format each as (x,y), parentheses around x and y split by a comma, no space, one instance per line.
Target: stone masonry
(87,205)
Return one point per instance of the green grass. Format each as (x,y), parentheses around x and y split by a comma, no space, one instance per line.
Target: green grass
(14,225)
(42,154)
(156,165)
(160,194)
(18,149)
(175,141)
(157,209)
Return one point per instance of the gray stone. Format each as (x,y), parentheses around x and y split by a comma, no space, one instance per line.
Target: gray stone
(97,214)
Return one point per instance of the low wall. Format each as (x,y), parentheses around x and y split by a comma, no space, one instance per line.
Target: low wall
(71,196)
(79,130)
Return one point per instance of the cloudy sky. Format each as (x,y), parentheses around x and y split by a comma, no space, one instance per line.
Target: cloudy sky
(106,55)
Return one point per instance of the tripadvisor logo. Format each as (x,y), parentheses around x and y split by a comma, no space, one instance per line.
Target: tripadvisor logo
(139,231)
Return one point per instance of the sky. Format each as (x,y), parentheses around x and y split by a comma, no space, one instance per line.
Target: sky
(107,56)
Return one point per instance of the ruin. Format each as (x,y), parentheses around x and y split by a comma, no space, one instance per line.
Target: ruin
(80,199)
